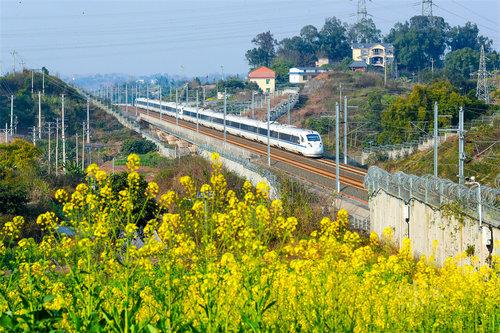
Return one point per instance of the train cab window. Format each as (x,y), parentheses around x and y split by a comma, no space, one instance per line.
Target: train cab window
(313,137)
(294,139)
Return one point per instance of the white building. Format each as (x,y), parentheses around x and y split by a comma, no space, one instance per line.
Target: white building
(303,74)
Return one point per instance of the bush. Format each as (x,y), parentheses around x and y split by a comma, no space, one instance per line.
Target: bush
(138,146)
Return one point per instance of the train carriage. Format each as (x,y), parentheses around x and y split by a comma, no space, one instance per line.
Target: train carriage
(291,138)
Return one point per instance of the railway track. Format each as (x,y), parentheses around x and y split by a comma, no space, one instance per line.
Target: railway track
(349,176)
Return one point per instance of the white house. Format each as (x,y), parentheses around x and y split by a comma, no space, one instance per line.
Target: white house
(303,74)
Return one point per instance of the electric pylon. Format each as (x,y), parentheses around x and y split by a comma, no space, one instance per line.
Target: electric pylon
(427,7)
(482,90)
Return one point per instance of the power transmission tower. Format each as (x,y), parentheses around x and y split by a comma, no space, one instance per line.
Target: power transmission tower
(362,13)
(482,90)
(427,8)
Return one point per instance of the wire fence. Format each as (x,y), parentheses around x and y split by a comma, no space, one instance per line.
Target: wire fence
(436,192)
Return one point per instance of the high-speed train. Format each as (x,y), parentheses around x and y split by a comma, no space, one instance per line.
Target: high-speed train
(291,138)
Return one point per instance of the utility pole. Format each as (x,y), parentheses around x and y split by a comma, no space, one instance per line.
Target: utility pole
(160,103)
(461,152)
(385,70)
(345,130)
(135,102)
(225,111)
(436,139)
(432,66)
(203,95)
(33,133)
(197,110)
(147,99)
(88,121)
(63,136)
(337,159)
(268,132)
(11,115)
(39,116)
(176,107)
(49,125)
(83,146)
(6,133)
(126,98)
(43,82)
(340,95)
(57,146)
(222,71)
(77,143)
(187,93)
(32,74)
(482,90)
(14,59)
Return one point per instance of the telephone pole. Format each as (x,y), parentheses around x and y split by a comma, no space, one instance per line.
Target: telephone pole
(43,82)
(225,111)
(63,136)
(39,115)
(337,159)
(11,115)
(88,121)
(345,130)
(436,139)
(32,74)
(126,98)
(83,146)
(76,148)
(197,110)
(176,107)
(57,146)
(49,130)
(268,132)
(461,152)
(482,90)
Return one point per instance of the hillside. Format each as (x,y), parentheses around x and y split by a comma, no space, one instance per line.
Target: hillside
(365,91)
(481,148)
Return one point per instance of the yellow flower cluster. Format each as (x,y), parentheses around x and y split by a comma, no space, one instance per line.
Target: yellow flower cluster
(212,260)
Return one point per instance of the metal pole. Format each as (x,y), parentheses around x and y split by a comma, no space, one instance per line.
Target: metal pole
(268,132)
(225,111)
(289,110)
(176,107)
(187,93)
(337,162)
(160,102)
(461,153)
(203,96)
(11,115)
(436,139)
(49,150)
(32,74)
(39,116)
(63,135)
(345,130)
(147,99)
(126,98)
(197,110)
(135,102)
(76,148)
(83,146)
(6,133)
(34,135)
(57,146)
(88,121)
(479,205)
(43,82)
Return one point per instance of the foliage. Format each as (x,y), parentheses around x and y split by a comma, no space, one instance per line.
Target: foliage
(407,117)
(263,54)
(18,173)
(419,41)
(460,64)
(333,40)
(138,146)
(212,261)
(468,37)
(297,51)
(364,31)
(281,66)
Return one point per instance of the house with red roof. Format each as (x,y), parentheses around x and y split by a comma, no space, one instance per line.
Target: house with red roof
(264,77)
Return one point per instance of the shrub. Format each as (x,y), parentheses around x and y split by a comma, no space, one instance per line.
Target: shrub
(138,146)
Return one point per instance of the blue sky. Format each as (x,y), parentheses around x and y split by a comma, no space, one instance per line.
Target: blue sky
(142,37)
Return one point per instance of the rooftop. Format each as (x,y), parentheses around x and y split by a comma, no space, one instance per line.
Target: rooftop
(262,73)
(370,45)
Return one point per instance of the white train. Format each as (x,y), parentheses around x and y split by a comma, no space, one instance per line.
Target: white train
(291,138)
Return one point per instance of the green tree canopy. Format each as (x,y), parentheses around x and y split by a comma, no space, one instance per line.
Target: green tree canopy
(468,36)
(264,52)
(364,31)
(333,39)
(419,41)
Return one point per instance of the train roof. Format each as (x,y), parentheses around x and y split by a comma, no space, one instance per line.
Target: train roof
(289,129)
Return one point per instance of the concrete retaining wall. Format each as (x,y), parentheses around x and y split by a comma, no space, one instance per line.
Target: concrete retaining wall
(427,225)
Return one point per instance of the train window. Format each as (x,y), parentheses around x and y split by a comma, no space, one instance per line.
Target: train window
(274,134)
(285,137)
(217,120)
(313,137)
(262,131)
(294,139)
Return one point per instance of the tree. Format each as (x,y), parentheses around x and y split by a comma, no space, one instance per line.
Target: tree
(459,65)
(407,117)
(468,36)
(419,41)
(138,146)
(281,66)
(264,53)
(297,52)
(310,35)
(364,31)
(333,39)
